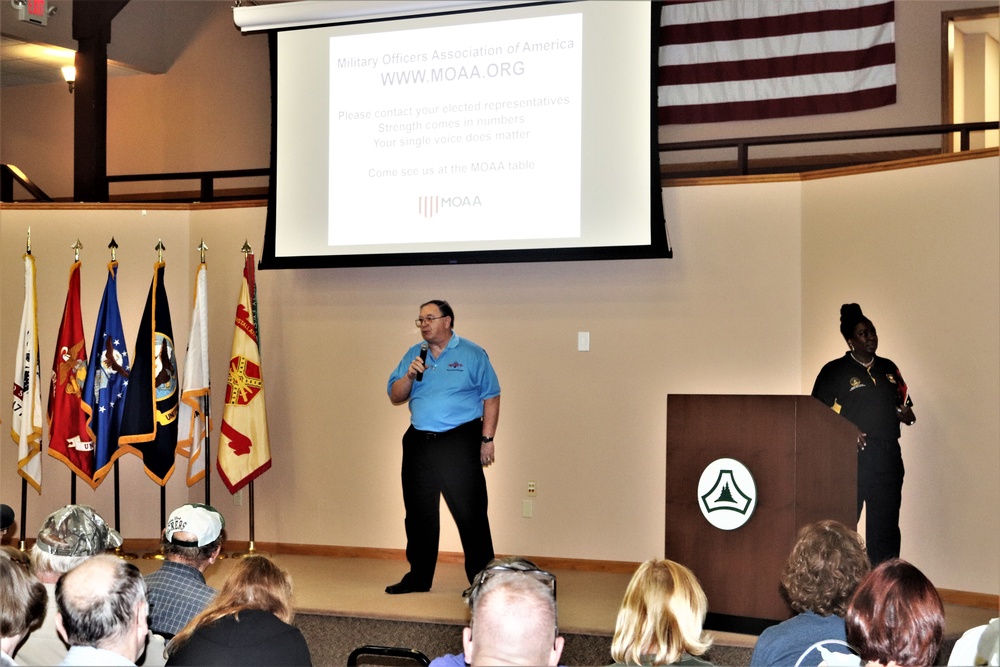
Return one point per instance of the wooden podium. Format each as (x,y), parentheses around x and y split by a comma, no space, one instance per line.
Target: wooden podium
(803,460)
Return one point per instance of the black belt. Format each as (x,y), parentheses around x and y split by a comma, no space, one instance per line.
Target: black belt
(434,435)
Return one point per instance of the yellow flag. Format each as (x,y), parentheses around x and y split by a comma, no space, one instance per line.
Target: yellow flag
(244,450)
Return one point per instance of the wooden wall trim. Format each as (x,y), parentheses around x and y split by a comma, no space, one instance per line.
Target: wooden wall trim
(892,165)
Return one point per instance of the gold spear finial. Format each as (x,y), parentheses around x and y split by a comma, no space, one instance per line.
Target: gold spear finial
(159,250)
(114,246)
(246,249)
(77,247)
(201,250)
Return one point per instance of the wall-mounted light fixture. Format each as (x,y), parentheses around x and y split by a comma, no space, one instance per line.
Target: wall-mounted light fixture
(69,73)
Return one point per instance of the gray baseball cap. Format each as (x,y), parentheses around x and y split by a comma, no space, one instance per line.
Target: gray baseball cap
(76,530)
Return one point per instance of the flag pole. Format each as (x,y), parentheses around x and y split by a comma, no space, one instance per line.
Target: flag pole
(124,555)
(208,415)
(158,554)
(251,547)
(24,513)
(24,482)
(72,476)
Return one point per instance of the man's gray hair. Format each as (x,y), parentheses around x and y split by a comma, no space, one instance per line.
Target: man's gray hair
(514,618)
(42,562)
(99,620)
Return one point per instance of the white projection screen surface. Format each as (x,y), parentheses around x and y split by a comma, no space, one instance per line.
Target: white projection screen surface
(504,134)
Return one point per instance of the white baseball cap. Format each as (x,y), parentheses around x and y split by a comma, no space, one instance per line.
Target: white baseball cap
(203,521)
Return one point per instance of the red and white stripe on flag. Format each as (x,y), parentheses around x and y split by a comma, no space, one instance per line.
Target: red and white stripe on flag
(725,60)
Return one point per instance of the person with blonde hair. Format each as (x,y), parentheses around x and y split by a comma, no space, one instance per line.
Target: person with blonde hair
(826,564)
(248,622)
(661,617)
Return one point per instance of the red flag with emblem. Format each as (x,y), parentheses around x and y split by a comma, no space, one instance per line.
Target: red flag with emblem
(69,440)
(244,450)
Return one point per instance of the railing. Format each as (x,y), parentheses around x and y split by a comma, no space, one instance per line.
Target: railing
(743,145)
(8,175)
(206,178)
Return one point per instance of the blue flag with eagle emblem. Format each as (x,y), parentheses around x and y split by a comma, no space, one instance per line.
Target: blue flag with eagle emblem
(107,379)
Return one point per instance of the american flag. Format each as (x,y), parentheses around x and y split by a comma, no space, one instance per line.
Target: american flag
(737,60)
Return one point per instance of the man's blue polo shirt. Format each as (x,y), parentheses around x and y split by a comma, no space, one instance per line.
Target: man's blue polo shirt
(453,388)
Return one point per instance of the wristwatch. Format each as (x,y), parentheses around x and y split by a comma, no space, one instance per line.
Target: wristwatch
(487,438)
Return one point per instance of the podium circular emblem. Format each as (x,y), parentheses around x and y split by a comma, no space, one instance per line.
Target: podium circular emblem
(727,494)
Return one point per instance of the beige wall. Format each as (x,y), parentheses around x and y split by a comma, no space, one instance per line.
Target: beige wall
(211,110)
(749,304)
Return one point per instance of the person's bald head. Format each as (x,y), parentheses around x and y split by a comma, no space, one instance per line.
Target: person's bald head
(513,623)
(102,603)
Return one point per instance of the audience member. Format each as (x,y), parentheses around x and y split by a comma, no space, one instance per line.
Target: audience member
(6,519)
(978,646)
(69,536)
(514,617)
(248,622)
(22,603)
(823,569)
(471,594)
(896,617)
(661,617)
(177,592)
(102,612)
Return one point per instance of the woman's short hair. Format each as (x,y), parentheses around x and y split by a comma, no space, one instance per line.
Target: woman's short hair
(661,616)
(825,566)
(24,598)
(255,582)
(896,615)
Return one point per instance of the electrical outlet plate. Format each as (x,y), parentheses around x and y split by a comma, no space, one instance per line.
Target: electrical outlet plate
(532,489)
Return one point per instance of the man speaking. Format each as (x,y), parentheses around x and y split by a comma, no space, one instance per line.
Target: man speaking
(454,398)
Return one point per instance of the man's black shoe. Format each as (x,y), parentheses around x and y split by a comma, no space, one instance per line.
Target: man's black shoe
(405,587)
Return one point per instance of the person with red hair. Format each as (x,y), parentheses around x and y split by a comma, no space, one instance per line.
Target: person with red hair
(896,617)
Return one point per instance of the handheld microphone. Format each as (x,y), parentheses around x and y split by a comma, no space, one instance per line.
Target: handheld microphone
(423,358)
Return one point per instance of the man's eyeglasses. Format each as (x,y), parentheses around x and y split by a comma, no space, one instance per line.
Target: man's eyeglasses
(430,318)
(523,567)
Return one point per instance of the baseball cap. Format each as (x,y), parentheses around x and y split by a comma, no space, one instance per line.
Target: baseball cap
(6,516)
(204,521)
(76,530)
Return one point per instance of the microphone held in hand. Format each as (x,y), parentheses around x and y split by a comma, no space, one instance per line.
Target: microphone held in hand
(423,359)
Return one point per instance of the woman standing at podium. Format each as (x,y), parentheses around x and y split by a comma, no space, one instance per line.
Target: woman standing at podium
(869,391)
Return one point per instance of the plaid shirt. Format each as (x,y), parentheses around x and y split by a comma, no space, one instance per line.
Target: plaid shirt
(177,593)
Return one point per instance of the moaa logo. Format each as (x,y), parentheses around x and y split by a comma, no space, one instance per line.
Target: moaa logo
(727,494)
(431,205)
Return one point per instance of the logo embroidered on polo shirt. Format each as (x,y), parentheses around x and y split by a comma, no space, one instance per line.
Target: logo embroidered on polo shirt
(454,366)
(890,377)
(856,384)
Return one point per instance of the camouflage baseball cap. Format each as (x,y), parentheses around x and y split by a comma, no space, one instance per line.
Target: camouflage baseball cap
(76,530)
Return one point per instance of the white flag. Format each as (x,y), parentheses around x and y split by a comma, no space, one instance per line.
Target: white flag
(26,425)
(193,423)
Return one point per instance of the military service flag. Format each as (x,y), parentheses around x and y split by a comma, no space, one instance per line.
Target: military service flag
(149,423)
(26,424)
(193,426)
(68,438)
(244,450)
(107,379)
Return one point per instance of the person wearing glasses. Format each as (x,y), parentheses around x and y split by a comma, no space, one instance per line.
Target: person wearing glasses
(492,646)
(453,395)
